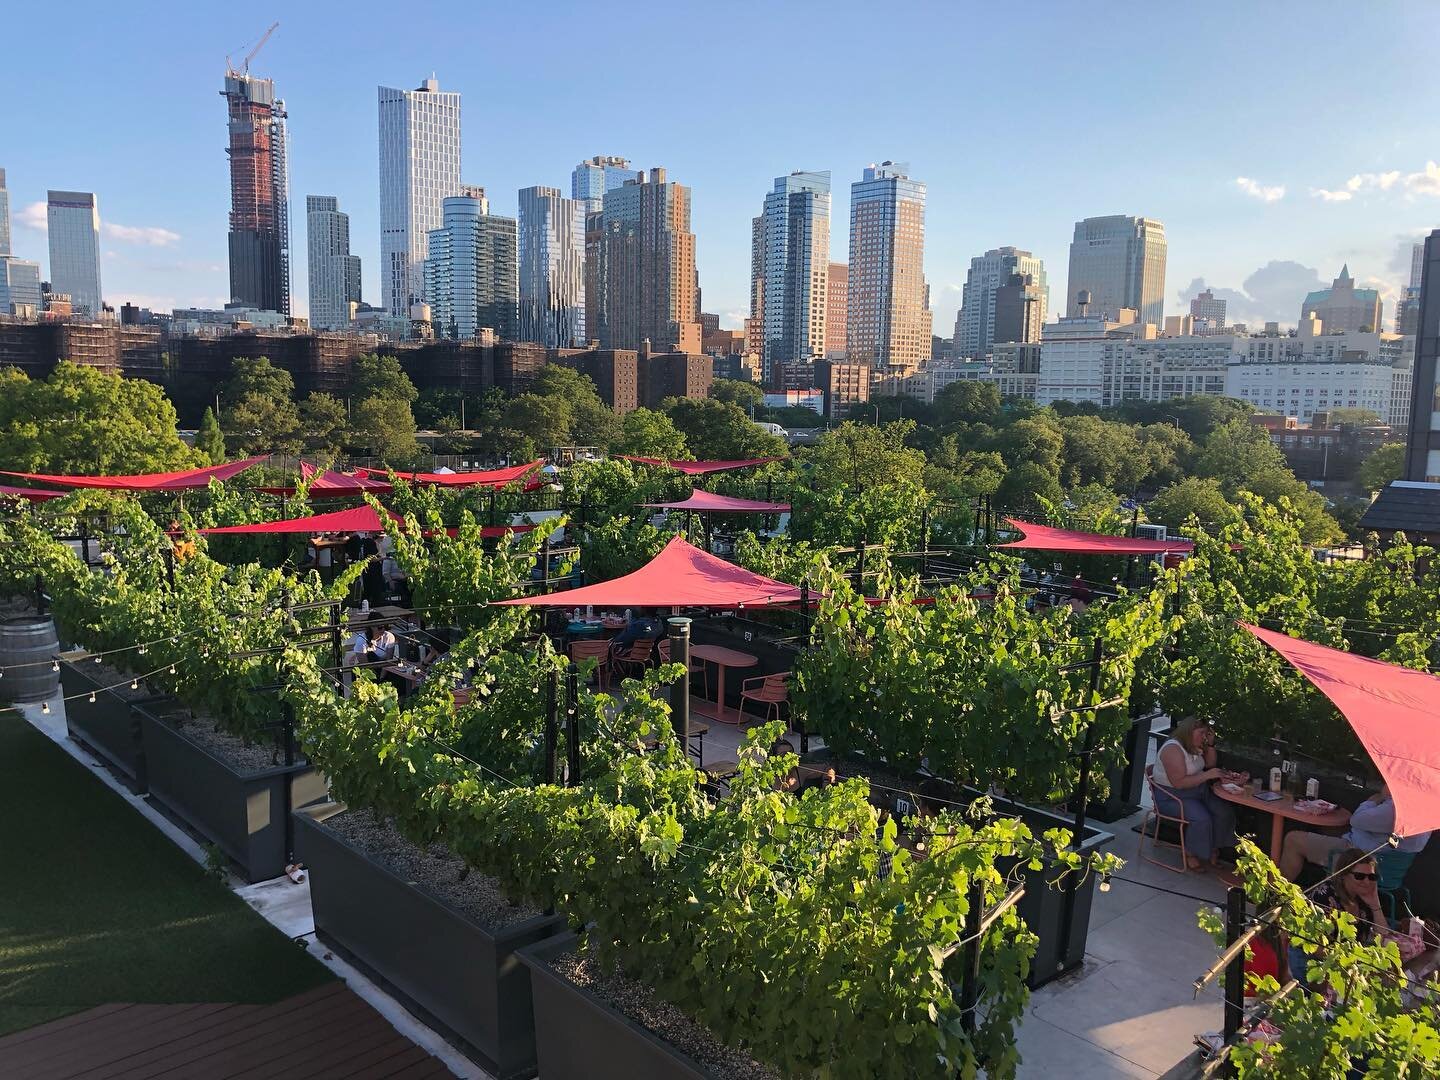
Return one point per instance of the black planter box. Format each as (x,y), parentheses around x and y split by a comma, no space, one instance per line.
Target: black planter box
(581,1037)
(461,979)
(108,725)
(1059,915)
(244,813)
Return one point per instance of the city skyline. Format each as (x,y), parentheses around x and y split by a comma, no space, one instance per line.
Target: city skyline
(1229,209)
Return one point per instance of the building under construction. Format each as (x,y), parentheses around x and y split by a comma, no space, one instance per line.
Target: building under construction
(259,190)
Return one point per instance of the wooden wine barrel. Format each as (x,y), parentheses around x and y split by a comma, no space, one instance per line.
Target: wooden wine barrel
(27,648)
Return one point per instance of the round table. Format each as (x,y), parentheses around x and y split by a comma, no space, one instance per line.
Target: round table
(1279,810)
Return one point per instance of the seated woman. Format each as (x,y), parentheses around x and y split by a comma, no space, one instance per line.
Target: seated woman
(1354,890)
(1371,825)
(1184,771)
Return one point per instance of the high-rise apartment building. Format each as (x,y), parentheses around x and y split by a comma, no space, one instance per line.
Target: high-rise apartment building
(334,272)
(73,220)
(471,277)
(975,322)
(1212,311)
(1119,262)
(1407,308)
(552,268)
(419,169)
(648,266)
(887,321)
(4,217)
(591,179)
(259,193)
(1019,310)
(19,278)
(1422,456)
(794,265)
(1343,306)
(837,295)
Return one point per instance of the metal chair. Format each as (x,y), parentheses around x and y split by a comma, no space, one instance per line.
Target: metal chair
(1154,813)
(663,648)
(1392,866)
(771,690)
(599,651)
(635,657)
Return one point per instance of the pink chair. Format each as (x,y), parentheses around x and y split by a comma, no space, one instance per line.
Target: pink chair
(663,648)
(770,690)
(1154,814)
(633,659)
(599,651)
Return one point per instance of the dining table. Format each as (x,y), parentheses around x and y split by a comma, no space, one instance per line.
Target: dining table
(723,659)
(1280,810)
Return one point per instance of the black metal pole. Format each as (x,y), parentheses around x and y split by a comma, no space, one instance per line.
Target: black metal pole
(493,520)
(1135,523)
(287,732)
(572,726)
(680,691)
(85,544)
(970,981)
(925,541)
(545,565)
(39,595)
(1234,971)
(1082,795)
(552,723)
(860,567)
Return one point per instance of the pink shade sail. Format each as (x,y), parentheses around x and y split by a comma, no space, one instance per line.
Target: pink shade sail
(490,478)
(32,494)
(680,576)
(356,519)
(699,468)
(328,483)
(166,481)
(1044,538)
(1394,710)
(721,504)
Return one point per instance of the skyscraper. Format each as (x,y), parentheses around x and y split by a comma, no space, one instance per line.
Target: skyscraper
(975,322)
(419,169)
(19,278)
(836,297)
(594,177)
(74,225)
(887,323)
(552,268)
(259,193)
(1343,306)
(4,217)
(1019,310)
(1207,307)
(334,272)
(1120,262)
(648,254)
(1407,308)
(471,277)
(1422,453)
(794,263)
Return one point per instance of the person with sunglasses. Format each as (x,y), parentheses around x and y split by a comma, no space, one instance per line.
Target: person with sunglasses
(1371,825)
(1353,889)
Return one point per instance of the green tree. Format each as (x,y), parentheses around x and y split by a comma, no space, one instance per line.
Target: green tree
(1344,417)
(209,439)
(1198,498)
(438,409)
(385,426)
(80,420)
(1036,439)
(1096,451)
(545,421)
(968,403)
(735,392)
(261,423)
(259,377)
(1384,465)
(718,431)
(1025,486)
(651,434)
(373,375)
(323,424)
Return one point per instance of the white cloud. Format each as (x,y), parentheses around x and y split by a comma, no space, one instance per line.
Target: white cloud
(1384,181)
(35,217)
(1331,196)
(1263,192)
(149,235)
(1425,182)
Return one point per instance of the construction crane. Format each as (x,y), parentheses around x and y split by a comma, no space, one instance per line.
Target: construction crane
(245,69)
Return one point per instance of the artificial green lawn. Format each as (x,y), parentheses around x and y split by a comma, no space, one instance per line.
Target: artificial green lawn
(97,906)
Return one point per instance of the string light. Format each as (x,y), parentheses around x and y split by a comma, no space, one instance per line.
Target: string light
(92,697)
(134,684)
(55,665)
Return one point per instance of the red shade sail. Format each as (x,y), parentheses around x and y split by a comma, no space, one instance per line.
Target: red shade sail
(329,483)
(33,494)
(1394,710)
(165,481)
(721,504)
(700,468)
(680,576)
(490,478)
(356,519)
(1044,538)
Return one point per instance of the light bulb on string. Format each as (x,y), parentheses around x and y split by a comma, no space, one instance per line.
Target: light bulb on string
(55,665)
(45,708)
(134,684)
(172,669)
(92,697)
(142,650)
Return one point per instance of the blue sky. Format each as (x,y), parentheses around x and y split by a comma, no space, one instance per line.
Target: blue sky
(1020,119)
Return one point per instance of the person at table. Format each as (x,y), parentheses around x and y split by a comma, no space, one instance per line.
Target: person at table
(1353,889)
(384,646)
(1183,773)
(640,627)
(1371,826)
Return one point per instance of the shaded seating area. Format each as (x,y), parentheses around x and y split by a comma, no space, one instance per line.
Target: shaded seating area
(1072,542)
(769,691)
(698,468)
(183,480)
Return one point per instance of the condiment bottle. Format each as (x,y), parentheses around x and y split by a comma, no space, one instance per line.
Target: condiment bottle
(1275,778)
(1312,788)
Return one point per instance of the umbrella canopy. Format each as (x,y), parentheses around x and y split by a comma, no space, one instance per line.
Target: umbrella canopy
(165,481)
(700,468)
(356,519)
(1393,710)
(33,494)
(1044,538)
(721,504)
(680,576)
(495,478)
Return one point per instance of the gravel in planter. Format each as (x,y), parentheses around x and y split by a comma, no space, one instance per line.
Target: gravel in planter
(641,1004)
(435,869)
(244,757)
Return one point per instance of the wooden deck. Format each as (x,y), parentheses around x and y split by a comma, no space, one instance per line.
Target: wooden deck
(326,1032)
